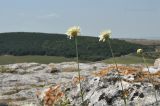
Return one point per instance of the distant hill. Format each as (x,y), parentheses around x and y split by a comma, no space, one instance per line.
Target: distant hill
(144,41)
(28,43)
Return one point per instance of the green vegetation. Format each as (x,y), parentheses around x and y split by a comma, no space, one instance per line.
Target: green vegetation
(39,59)
(153,55)
(129,59)
(23,43)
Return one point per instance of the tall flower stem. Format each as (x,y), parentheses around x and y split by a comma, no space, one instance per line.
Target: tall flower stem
(79,74)
(150,78)
(124,98)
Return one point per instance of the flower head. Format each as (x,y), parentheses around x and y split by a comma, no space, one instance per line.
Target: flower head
(105,35)
(73,31)
(139,51)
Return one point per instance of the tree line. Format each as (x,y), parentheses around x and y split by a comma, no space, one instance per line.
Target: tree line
(30,43)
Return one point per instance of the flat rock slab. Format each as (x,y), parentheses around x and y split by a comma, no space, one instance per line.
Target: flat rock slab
(20,82)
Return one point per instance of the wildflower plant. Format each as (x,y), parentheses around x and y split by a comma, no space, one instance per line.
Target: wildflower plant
(105,37)
(50,96)
(73,32)
(140,52)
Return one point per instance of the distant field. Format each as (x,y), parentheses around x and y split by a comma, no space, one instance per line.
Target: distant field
(39,59)
(128,59)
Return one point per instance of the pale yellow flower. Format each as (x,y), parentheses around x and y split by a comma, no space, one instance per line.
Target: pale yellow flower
(73,31)
(105,35)
(139,51)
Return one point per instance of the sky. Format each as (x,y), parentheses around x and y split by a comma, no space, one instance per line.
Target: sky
(126,18)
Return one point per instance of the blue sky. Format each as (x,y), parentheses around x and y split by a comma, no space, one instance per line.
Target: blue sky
(126,18)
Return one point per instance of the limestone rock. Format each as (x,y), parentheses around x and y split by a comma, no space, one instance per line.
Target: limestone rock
(20,82)
(157,62)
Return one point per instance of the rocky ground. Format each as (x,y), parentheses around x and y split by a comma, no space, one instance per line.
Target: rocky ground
(19,83)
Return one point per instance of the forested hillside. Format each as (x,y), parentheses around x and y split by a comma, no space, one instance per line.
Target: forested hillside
(25,43)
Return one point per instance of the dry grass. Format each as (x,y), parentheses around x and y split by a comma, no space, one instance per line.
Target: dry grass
(4,69)
(126,70)
(123,70)
(52,95)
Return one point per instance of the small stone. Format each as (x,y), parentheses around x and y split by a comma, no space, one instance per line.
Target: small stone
(141,95)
